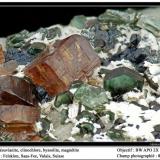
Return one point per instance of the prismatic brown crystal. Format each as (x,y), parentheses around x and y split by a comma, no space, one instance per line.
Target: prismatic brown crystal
(17,121)
(72,59)
(18,114)
(14,90)
(19,109)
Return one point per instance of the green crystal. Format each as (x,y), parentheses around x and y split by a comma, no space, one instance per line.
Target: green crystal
(36,48)
(63,98)
(17,40)
(117,17)
(90,96)
(53,32)
(101,111)
(111,115)
(122,80)
(86,128)
(78,21)
(149,24)
(88,115)
(116,134)
(64,115)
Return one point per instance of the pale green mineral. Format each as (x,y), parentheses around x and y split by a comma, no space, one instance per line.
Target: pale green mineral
(91,97)
(117,17)
(78,21)
(150,24)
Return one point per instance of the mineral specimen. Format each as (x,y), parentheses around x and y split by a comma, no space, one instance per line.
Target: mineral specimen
(91,97)
(122,80)
(14,90)
(76,105)
(72,59)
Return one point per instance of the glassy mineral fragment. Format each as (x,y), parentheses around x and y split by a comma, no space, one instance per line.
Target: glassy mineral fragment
(14,90)
(73,59)
(121,80)
(91,97)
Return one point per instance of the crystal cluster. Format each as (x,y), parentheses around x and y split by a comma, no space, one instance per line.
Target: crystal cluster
(72,59)
(96,79)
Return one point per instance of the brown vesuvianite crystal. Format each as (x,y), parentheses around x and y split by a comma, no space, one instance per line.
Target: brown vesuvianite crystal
(14,90)
(19,109)
(18,114)
(72,59)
